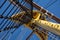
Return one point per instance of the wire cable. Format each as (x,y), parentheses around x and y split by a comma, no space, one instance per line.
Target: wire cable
(4,12)
(7,20)
(3,3)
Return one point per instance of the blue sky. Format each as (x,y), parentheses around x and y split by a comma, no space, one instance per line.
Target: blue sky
(22,32)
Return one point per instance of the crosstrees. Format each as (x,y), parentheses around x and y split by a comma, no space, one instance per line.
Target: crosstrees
(48,13)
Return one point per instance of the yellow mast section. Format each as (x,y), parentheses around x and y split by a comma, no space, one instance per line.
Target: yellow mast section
(50,26)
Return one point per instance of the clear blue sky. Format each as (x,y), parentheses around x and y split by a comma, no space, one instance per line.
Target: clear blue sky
(22,32)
